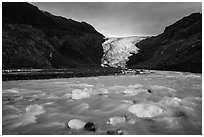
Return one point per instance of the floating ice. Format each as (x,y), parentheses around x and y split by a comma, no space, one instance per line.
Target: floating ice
(171,101)
(135,86)
(82,85)
(79,94)
(13,90)
(116,120)
(35,109)
(156,87)
(30,116)
(134,91)
(145,110)
(102,91)
(76,124)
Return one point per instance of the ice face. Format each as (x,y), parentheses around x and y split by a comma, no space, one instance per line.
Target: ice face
(117,50)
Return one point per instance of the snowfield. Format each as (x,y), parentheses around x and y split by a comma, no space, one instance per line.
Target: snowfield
(160,103)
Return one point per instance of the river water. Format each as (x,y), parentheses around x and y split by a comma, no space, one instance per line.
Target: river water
(162,103)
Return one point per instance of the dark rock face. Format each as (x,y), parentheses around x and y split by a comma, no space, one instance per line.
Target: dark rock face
(178,48)
(36,39)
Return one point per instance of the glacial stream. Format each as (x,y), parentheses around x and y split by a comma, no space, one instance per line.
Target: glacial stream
(158,103)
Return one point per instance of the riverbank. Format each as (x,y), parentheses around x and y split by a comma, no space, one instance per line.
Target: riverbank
(28,74)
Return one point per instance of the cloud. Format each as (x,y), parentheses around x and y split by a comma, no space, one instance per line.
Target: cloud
(124,19)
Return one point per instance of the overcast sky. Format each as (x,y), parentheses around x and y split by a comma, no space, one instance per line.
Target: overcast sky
(123,19)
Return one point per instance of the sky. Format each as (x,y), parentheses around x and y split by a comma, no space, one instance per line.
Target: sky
(121,19)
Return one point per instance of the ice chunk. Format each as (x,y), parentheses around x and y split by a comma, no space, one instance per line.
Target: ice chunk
(79,94)
(171,101)
(35,109)
(135,86)
(76,124)
(156,87)
(134,91)
(116,120)
(30,116)
(145,110)
(13,90)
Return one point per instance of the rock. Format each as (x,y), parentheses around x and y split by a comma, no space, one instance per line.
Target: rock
(111,132)
(114,121)
(90,126)
(76,124)
(145,110)
(149,91)
(129,119)
(134,101)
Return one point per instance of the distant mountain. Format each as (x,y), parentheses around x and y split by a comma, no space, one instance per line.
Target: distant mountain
(178,48)
(37,39)
(117,50)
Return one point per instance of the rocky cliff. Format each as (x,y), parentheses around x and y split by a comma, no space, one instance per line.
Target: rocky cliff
(118,50)
(32,38)
(178,48)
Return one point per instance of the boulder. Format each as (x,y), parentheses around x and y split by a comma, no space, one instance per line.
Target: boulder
(90,126)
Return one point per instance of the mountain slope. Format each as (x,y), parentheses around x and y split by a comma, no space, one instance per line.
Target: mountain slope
(38,39)
(178,48)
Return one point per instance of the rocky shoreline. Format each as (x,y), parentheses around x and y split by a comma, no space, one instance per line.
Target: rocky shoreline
(29,74)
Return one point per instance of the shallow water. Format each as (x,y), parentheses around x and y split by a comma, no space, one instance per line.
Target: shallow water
(46,106)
